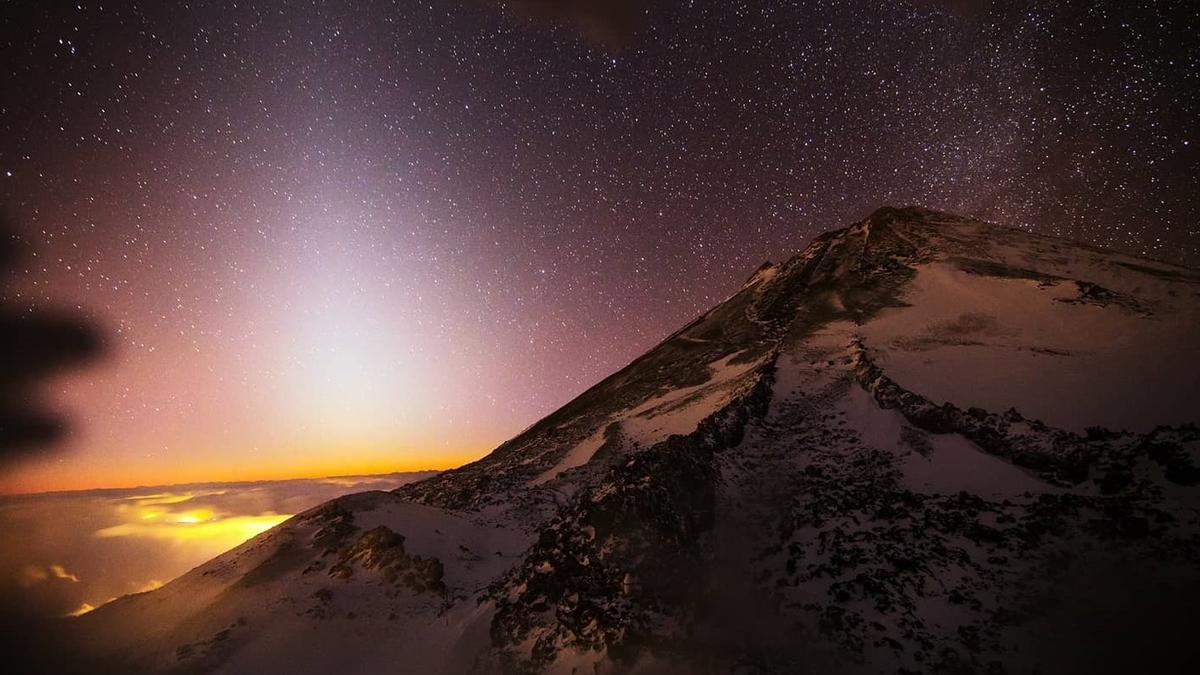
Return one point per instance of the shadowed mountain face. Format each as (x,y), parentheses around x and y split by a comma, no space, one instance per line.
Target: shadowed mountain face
(924,444)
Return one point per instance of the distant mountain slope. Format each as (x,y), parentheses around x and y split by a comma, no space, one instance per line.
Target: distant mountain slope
(924,444)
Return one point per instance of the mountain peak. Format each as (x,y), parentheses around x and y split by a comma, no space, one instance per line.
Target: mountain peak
(763,271)
(889,452)
(887,213)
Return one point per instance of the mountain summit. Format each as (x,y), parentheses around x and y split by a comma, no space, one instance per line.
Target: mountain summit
(924,444)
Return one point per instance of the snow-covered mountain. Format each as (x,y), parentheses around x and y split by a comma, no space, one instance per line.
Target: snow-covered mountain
(924,444)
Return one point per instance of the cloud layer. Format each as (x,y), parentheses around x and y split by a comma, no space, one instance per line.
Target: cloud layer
(67,553)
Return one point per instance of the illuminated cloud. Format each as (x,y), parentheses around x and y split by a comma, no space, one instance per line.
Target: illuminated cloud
(184,516)
(361,482)
(196,525)
(166,498)
(35,574)
(149,586)
(60,573)
(81,610)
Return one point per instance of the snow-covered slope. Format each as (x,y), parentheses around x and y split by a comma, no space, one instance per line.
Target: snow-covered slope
(923,444)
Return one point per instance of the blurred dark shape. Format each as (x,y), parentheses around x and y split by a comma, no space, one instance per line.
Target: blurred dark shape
(609,23)
(34,345)
(967,9)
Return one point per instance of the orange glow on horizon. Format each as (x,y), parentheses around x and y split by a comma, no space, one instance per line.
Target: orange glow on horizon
(51,474)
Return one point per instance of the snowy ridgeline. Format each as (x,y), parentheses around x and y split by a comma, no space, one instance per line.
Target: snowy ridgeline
(923,443)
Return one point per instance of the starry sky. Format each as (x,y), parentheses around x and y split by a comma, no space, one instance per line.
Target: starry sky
(341,237)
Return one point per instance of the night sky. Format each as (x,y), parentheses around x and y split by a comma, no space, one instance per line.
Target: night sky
(332,237)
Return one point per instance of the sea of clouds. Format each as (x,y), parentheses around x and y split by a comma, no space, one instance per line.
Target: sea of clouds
(66,553)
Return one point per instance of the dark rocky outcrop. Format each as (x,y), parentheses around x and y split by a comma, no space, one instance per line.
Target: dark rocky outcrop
(382,549)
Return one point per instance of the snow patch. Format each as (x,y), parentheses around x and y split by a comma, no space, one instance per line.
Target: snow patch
(577,456)
(1000,343)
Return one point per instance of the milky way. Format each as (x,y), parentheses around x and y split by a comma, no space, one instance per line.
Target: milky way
(385,235)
